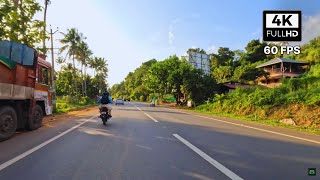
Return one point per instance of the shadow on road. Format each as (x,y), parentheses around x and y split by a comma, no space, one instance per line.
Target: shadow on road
(148,110)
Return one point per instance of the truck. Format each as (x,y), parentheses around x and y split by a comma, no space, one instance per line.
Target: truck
(25,88)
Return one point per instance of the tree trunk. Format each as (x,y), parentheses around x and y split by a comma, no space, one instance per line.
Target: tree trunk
(85,80)
(75,76)
(82,84)
(70,95)
(23,34)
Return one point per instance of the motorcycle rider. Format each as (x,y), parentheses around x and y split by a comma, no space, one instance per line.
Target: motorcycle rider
(152,102)
(105,100)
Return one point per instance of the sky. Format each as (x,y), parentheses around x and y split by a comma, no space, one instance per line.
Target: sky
(128,33)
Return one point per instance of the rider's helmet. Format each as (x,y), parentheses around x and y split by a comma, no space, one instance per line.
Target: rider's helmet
(106,93)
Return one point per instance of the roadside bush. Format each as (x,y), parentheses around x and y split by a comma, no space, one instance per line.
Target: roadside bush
(141,98)
(272,102)
(65,99)
(314,70)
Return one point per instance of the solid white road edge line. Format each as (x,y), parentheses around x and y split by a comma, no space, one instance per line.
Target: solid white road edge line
(213,162)
(23,155)
(147,114)
(177,111)
(259,129)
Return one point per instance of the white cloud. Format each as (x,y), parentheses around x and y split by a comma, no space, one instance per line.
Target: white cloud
(172,25)
(310,28)
(212,49)
(171,37)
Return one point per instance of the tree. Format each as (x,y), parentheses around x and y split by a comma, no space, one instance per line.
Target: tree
(64,80)
(71,41)
(156,79)
(239,57)
(83,54)
(18,23)
(60,60)
(94,64)
(255,51)
(197,50)
(310,52)
(223,74)
(196,81)
(101,67)
(248,73)
(224,57)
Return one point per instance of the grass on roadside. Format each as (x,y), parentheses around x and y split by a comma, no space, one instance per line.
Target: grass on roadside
(271,122)
(64,104)
(255,119)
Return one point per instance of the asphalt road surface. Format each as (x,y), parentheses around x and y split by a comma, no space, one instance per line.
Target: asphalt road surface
(142,142)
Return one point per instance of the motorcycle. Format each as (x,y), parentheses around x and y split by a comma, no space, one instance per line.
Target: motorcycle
(104,115)
(152,104)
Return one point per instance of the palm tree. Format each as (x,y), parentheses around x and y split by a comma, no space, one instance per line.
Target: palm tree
(46,3)
(99,66)
(93,63)
(71,41)
(102,70)
(83,53)
(60,60)
(102,66)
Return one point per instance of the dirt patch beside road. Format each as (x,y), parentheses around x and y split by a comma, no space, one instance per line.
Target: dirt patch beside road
(79,113)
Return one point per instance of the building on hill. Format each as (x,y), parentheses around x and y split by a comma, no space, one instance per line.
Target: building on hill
(231,86)
(280,68)
(199,61)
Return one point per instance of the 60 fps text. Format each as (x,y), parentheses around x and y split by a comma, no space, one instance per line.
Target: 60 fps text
(282,49)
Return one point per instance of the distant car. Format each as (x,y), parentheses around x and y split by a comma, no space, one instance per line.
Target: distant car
(119,101)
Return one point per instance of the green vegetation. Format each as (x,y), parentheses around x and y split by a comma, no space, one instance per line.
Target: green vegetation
(175,76)
(297,98)
(65,104)
(69,78)
(18,24)
(166,79)
(253,118)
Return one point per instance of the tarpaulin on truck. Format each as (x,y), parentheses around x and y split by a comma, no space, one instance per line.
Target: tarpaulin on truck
(13,52)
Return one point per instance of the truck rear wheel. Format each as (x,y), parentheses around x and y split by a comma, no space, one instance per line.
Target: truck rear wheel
(8,122)
(35,121)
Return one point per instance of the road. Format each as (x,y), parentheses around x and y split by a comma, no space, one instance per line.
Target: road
(142,142)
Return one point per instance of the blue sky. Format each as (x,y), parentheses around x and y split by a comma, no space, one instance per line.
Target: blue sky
(128,33)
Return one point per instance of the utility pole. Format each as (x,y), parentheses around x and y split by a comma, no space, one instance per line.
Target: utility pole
(53,88)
